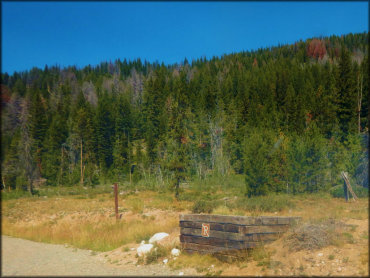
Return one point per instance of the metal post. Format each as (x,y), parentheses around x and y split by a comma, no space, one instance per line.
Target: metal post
(116,199)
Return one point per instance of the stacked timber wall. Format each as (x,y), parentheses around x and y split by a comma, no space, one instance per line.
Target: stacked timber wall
(221,234)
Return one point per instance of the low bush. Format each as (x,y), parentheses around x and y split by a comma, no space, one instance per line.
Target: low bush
(313,236)
(157,252)
(203,206)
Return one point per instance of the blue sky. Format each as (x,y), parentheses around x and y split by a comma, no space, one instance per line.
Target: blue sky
(81,33)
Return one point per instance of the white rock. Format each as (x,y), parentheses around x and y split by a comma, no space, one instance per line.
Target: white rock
(158,237)
(132,249)
(143,249)
(165,261)
(181,273)
(175,252)
(212,266)
(320,254)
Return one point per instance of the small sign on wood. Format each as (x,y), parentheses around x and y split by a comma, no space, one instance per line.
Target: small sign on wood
(205,230)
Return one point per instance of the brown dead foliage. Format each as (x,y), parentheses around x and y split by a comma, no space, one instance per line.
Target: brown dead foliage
(313,236)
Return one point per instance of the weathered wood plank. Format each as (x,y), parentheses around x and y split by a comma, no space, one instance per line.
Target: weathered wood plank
(284,220)
(230,244)
(214,241)
(265,237)
(232,236)
(239,220)
(263,229)
(234,228)
(217,234)
(213,226)
(269,220)
(244,220)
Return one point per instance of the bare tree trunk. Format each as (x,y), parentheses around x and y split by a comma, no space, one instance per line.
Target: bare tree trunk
(359,101)
(31,186)
(61,169)
(82,172)
(5,184)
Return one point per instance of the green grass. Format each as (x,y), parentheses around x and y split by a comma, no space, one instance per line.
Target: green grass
(15,194)
(338,191)
(157,253)
(269,203)
(80,192)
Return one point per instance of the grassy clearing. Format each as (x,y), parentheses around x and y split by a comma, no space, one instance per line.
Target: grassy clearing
(84,217)
(85,223)
(98,235)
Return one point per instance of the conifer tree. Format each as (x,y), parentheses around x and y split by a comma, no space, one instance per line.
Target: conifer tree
(346,94)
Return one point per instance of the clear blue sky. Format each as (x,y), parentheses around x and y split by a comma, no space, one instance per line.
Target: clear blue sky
(81,33)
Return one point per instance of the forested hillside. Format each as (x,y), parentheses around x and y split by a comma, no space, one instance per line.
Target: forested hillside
(289,118)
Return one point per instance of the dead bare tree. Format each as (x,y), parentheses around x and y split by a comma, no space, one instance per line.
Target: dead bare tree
(360,79)
(27,161)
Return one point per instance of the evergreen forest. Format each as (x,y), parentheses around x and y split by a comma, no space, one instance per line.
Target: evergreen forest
(288,119)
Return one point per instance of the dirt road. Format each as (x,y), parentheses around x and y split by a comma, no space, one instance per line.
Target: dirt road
(27,258)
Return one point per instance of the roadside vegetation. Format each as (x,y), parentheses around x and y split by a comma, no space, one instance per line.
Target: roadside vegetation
(85,218)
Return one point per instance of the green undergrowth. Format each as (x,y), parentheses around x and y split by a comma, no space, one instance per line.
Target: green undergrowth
(338,191)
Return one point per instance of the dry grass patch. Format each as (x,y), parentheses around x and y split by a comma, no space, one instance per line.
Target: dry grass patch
(98,235)
(84,223)
(147,200)
(201,263)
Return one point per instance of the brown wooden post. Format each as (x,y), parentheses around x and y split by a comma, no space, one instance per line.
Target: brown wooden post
(116,199)
(82,172)
(345,191)
(130,173)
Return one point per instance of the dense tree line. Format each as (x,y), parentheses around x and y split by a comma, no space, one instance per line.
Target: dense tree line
(289,118)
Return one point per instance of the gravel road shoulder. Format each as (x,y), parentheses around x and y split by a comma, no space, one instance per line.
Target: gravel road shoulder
(27,258)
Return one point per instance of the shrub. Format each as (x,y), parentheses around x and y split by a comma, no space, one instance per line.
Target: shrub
(202,206)
(157,252)
(313,236)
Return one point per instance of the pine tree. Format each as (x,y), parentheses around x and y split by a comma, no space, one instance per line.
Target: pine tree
(37,125)
(346,94)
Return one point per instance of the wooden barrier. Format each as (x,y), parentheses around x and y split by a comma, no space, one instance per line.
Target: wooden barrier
(222,234)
